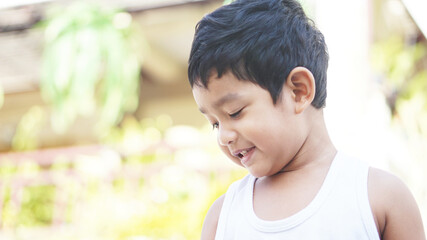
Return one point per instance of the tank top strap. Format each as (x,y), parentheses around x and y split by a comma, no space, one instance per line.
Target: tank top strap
(232,191)
(363,200)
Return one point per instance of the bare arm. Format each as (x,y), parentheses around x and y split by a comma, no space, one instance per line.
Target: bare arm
(211,220)
(396,213)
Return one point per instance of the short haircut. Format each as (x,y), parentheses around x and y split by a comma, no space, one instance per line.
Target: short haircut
(260,41)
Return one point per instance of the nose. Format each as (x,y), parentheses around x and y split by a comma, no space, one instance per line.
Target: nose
(226,136)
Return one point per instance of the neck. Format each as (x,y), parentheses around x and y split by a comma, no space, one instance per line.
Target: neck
(317,148)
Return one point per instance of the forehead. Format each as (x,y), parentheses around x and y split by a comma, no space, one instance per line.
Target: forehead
(227,83)
(221,90)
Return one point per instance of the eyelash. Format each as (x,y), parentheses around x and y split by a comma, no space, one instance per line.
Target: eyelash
(233,115)
(236,114)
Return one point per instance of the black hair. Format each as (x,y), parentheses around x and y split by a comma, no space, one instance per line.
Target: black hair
(260,41)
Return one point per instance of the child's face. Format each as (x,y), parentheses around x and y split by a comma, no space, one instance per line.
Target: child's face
(252,131)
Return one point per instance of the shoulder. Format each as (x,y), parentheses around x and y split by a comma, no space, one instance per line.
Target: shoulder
(211,220)
(395,210)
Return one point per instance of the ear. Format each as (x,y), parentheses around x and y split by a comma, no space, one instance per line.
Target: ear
(303,87)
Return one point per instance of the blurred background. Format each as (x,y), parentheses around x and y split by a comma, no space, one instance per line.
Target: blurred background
(100,137)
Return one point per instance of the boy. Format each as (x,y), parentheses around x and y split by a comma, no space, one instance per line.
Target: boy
(258,73)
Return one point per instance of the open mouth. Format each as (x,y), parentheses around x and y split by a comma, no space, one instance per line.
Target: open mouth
(244,153)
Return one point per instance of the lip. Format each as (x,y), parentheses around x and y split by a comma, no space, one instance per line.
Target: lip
(245,159)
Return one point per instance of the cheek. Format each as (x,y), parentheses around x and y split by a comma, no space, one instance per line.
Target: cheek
(275,136)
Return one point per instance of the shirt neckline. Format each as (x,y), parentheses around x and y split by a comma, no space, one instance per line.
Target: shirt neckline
(299,217)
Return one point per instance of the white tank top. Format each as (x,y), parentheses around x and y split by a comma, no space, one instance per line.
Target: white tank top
(340,210)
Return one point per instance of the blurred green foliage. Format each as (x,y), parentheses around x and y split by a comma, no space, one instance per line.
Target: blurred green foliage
(25,137)
(37,206)
(91,59)
(148,184)
(404,69)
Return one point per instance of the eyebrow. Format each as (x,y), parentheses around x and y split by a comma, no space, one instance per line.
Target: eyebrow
(227,98)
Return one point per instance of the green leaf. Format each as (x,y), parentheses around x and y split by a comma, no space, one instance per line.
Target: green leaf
(87,62)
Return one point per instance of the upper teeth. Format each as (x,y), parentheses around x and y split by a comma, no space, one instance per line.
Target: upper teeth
(243,152)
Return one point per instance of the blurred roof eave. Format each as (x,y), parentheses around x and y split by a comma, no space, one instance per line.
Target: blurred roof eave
(170,37)
(126,4)
(416,9)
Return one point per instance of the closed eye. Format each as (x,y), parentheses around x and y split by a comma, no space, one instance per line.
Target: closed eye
(236,114)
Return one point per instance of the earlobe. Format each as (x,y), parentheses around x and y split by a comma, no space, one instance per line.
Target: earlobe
(303,87)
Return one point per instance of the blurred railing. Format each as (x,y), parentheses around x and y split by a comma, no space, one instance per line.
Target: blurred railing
(56,169)
(97,192)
